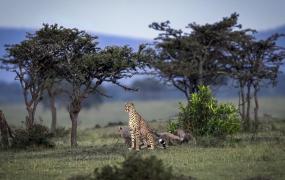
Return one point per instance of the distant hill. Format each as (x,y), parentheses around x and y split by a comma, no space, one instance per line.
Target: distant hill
(266,34)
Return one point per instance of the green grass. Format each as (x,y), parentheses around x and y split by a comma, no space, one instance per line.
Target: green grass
(238,157)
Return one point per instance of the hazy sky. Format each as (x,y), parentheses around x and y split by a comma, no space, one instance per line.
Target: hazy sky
(132,17)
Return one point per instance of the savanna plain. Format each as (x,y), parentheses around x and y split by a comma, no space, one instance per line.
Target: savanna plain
(241,156)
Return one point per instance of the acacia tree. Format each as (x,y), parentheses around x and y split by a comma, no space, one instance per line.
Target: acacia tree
(54,39)
(188,60)
(253,64)
(30,60)
(266,58)
(239,69)
(88,71)
(84,66)
(55,54)
(76,59)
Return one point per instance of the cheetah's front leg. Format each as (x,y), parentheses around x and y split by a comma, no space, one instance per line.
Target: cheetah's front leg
(151,141)
(132,138)
(137,139)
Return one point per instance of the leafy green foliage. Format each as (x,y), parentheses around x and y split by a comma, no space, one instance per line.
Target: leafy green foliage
(226,120)
(172,126)
(204,116)
(37,135)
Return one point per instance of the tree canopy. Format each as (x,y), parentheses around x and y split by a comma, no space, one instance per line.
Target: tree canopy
(54,54)
(189,59)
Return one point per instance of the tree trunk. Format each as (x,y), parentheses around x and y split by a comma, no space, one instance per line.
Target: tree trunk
(242,103)
(53,111)
(256,108)
(30,119)
(247,128)
(74,110)
(74,120)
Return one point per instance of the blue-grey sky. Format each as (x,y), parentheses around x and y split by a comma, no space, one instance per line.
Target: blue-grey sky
(132,17)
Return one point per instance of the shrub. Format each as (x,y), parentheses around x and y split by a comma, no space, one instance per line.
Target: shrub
(204,116)
(37,135)
(21,139)
(225,120)
(137,167)
(134,167)
(61,132)
(112,124)
(97,126)
(172,126)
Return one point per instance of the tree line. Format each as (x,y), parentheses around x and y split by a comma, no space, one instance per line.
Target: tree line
(55,54)
(206,55)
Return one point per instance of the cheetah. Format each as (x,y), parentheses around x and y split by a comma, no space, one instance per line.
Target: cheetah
(139,128)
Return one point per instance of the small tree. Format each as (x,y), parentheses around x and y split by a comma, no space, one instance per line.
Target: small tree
(266,58)
(88,72)
(239,68)
(55,54)
(85,67)
(31,61)
(253,64)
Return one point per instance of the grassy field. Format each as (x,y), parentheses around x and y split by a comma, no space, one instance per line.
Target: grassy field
(239,157)
(113,112)
(108,112)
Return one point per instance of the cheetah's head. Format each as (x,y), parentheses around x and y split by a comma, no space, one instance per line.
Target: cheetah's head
(129,106)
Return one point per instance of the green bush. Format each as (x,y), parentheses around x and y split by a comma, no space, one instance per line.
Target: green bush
(135,167)
(172,126)
(225,120)
(38,135)
(204,116)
